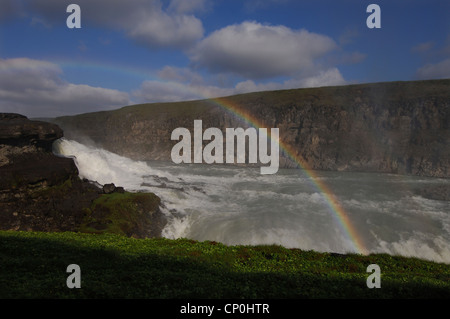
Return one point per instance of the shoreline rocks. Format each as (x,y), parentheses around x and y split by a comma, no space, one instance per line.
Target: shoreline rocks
(111,188)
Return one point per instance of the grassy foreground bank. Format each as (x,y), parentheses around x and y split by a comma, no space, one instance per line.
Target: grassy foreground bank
(33,265)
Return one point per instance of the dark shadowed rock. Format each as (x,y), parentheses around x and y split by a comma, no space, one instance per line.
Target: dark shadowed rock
(109,188)
(17,130)
(43,192)
(25,153)
(120,190)
(38,190)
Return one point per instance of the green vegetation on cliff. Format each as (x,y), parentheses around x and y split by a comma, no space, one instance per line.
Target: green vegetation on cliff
(122,213)
(33,265)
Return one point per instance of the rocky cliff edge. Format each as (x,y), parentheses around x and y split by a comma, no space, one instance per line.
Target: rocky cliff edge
(43,192)
(392,127)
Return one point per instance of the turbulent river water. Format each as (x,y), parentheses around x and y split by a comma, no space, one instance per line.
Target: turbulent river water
(379,213)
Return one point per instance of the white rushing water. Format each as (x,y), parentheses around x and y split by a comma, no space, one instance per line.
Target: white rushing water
(236,205)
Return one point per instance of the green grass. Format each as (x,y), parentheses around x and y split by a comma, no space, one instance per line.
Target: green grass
(33,265)
(117,213)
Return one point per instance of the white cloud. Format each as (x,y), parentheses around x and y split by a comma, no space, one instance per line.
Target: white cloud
(440,70)
(257,51)
(144,21)
(181,84)
(328,77)
(162,30)
(171,91)
(35,88)
(238,56)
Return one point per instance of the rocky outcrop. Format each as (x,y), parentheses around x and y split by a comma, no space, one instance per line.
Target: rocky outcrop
(43,192)
(397,127)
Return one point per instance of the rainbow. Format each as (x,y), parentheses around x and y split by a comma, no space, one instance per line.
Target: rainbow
(334,206)
(336,209)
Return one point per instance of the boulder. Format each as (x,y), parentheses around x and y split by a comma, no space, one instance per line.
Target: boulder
(109,188)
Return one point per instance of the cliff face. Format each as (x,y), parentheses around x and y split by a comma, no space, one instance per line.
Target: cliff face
(398,127)
(42,192)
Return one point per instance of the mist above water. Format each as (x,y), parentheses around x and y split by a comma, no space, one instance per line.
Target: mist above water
(236,205)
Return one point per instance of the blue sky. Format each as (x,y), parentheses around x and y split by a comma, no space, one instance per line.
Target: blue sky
(139,51)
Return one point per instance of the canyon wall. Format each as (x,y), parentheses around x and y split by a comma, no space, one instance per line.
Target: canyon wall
(393,127)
